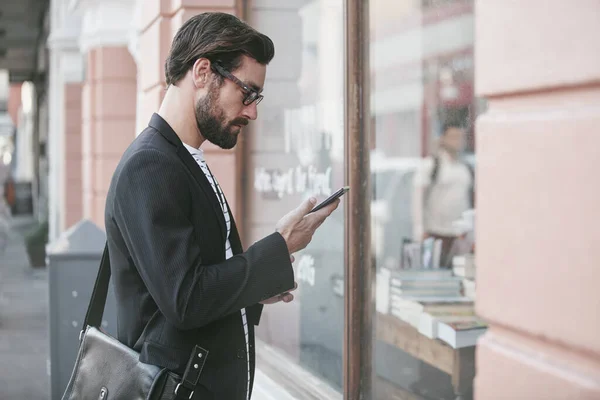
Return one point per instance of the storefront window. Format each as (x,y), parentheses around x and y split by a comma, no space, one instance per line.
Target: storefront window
(296,150)
(423,178)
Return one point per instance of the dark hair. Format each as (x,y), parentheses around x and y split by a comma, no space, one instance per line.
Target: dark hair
(450,124)
(218,37)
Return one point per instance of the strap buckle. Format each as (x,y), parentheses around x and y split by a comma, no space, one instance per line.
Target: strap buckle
(177,389)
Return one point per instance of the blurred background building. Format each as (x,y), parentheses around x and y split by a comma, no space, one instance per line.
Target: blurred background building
(481,111)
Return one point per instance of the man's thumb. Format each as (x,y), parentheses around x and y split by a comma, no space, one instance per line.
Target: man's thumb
(306,206)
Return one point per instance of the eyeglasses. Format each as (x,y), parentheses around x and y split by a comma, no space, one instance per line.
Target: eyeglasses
(251,95)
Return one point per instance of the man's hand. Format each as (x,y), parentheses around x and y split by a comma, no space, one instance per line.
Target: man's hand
(285,297)
(297,227)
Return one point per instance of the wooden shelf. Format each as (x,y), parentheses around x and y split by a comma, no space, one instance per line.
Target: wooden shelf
(458,363)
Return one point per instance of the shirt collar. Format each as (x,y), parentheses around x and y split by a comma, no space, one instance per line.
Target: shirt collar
(194,151)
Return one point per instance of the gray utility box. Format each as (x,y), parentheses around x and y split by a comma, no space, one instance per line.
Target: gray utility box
(73,262)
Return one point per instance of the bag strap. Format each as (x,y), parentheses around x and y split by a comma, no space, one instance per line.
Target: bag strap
(435,170)
(93,317)
(191,376)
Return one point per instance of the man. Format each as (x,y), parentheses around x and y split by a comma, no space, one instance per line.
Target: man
(443,191)
(180,275)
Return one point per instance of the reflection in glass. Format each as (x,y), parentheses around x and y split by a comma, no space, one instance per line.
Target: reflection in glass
(296,150)
(423,177)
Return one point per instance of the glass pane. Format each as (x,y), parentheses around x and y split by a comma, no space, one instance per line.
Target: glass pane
(422,169)
(296,150)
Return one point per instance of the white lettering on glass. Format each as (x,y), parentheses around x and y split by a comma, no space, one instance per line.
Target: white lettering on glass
(293,181)
(306,270)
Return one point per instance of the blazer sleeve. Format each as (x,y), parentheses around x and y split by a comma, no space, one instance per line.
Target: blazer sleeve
(151,208)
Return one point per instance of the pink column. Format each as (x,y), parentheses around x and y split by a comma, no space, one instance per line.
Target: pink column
(538,199)
(160,21)
(73,155)
(14,101)
(108,122)
(88,117)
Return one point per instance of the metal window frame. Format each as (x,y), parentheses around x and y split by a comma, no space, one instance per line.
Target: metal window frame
(358,299)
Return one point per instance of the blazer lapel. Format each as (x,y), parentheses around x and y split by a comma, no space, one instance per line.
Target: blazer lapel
(234,236)
(201,179)
(158,123)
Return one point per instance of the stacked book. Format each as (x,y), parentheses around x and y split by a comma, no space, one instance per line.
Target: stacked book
(424,282)
(430,300)
(461,333)
(451,320)
(412,310)
(464,268)
(456,325)
(469,288)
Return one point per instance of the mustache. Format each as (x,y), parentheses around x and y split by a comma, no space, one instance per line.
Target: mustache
(240,122)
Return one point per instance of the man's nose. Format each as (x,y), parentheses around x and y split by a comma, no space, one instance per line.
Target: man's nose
(250,111)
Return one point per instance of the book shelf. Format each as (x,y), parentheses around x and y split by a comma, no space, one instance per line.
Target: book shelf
(458,363)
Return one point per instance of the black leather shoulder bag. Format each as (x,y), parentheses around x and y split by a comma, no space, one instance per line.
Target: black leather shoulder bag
(106,369)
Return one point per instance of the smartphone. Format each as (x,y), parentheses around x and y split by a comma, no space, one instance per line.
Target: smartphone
(331,198)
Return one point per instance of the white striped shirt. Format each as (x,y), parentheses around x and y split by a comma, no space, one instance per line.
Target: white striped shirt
(198,155)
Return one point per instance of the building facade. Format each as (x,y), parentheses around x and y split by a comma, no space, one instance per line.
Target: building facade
(370,93)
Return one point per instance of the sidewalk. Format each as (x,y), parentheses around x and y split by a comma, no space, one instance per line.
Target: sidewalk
(23,322)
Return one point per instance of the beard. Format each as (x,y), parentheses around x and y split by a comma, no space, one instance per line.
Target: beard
(212,123)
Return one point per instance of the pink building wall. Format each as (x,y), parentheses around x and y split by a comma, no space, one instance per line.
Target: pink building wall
(14,101)
(73,155)
(538,194)
(109,109)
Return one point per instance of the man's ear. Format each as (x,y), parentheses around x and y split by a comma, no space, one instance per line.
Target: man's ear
(201,72)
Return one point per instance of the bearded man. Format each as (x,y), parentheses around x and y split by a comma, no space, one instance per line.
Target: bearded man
(188,296)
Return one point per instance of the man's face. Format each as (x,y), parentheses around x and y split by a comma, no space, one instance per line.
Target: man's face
(454,139)
(221,113)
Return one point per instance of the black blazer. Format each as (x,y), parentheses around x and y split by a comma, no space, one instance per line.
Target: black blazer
(174,288)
